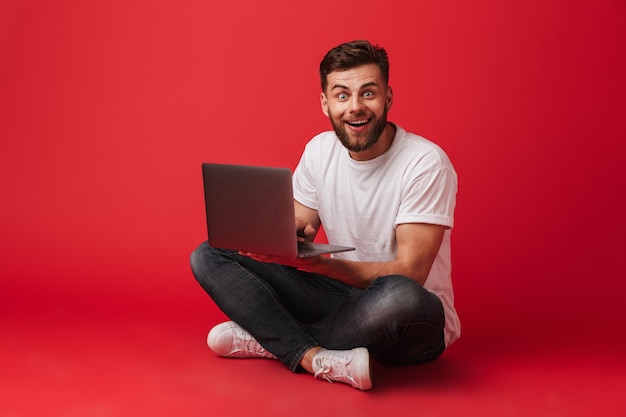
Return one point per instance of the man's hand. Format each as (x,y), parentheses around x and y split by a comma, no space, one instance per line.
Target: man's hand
(305,231)
(307,222)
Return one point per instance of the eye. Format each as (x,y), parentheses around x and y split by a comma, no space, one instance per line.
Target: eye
(342,96)
(368,94)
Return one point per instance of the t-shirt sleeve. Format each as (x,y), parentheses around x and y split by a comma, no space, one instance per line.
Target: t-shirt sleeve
(304,181)
(429,197)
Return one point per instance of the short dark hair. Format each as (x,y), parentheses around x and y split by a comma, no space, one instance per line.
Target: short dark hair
(353,54)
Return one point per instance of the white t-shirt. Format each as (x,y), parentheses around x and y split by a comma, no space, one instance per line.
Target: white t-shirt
(361,202)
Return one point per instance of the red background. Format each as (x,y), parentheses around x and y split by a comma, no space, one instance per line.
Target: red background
(107,110)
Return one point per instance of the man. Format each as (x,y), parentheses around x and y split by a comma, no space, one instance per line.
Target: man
(372,185)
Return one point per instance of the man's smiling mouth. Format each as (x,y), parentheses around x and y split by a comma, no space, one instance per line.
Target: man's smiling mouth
(358,123)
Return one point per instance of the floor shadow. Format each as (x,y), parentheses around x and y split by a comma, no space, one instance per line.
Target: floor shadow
(445,373)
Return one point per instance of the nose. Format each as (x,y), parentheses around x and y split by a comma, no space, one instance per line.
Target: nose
(356,104)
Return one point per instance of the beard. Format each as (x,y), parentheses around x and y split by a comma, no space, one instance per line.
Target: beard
(363,140)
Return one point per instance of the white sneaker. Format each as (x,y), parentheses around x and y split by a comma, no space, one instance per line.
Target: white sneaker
(347,366)
(228,339)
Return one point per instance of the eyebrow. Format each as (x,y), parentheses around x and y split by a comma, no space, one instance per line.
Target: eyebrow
(344,87)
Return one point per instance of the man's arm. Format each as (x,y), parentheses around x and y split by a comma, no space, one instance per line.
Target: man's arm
(418,244)
(307,222)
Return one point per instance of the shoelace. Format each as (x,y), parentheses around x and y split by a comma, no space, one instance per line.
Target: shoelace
(334,365)
(244,342)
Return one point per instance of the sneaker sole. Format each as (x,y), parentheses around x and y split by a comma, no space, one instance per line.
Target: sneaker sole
(364,361)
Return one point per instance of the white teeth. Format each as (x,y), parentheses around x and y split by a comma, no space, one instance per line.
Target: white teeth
(358,122)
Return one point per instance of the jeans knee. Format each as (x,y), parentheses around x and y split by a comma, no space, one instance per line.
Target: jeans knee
(398,288)
(207,262)
(199,261)
(403,297)
(195,260)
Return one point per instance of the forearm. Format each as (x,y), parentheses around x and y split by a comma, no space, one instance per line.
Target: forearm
(362,274)
(418,245)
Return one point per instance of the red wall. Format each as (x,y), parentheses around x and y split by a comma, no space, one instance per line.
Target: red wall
(107,110)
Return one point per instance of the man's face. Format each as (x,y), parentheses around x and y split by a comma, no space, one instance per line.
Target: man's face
(356,101)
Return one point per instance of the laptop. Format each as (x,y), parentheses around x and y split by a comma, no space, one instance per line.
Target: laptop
(251,209)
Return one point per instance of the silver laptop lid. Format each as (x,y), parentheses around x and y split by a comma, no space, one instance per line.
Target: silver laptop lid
(250,209)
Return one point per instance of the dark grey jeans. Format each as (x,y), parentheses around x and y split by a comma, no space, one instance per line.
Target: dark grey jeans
(290,311)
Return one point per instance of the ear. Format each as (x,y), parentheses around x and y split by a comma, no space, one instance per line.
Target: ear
(389,97)
(324,104)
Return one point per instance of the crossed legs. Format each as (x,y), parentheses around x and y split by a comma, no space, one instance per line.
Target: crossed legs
(293,314)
